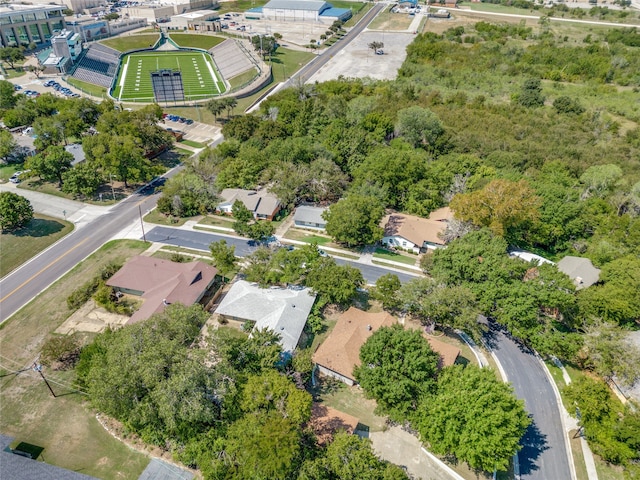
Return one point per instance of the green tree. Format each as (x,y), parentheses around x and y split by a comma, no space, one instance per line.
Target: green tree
(334,283)
(598,180)
(611,353)
(273,392)
(453,307)
(142,374)
(215,106)
(49,132)
(397,369)
(355,220)
(502,205)
(375,46)
(419,126)
(7,145)
(15,211)
(530,94)
(11,55)
(8,97)
(349,456)
(473,416)
(386,290)
(565,104)
(224,256)
(262,446)
(261,230)
(82,180)
(51,164)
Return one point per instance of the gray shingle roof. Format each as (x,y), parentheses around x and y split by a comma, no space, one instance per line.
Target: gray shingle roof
(580,270)
(281,310)
(16,467)
(308,214)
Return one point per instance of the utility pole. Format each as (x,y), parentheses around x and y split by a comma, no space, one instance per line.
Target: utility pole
(38,368)
(144,238)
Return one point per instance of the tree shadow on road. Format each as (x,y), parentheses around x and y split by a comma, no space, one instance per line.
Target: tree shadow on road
(533,444)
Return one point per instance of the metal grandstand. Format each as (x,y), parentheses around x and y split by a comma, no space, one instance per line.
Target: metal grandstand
(98,64)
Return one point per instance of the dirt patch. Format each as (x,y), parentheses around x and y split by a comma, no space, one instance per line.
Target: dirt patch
(91,318)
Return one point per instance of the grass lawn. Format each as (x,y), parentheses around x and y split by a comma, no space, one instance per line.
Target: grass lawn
(186,251)
(182,151)
(132,42)
(193,144)
(359,10)
(88,88)
(14,72)
(205,42)
(199,77)
(68,431)
(578,457)
(217,221)
(7,170)
(306,237)
(351,400)
(490,7)
(386,20)
(241,80)
(154,216)
(394,256)
(240,5)
(20,245)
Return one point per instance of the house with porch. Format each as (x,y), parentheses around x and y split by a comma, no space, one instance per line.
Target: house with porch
(262,204)
(416,234)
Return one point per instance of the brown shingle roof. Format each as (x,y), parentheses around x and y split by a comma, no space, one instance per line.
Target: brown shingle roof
(326,421)
(161,280)
(417,229)
(448,353)
(340,352)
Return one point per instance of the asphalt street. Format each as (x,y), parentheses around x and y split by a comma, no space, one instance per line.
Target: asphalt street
(544,453)
(201,241)
(25,283)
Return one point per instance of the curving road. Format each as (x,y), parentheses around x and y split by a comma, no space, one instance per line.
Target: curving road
(544,455)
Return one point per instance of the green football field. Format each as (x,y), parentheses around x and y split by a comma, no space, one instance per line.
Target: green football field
(199,75)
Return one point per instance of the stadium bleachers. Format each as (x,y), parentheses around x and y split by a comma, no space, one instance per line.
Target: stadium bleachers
(98,65)
(231,59)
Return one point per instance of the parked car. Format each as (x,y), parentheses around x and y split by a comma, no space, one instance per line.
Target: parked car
(17,87)
(188,121)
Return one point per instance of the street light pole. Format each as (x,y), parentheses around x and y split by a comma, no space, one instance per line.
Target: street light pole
(144,238)
(113,192)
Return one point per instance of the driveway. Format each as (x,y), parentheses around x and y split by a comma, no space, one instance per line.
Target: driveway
(400,447)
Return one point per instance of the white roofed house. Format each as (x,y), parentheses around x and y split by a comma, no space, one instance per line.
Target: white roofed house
(262,204)
(282,310)
(310,217)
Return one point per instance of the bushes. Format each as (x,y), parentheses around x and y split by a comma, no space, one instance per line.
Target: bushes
(82,294)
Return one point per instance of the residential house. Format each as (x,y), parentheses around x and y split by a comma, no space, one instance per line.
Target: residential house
(281,310)
(309,217)
(415,234)
(260,203)
(580,270)
(326,422)
(339,354)
(161,282)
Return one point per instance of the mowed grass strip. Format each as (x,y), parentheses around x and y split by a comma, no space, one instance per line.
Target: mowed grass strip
(196,68)
(190,40)
(132,42)
(21,245)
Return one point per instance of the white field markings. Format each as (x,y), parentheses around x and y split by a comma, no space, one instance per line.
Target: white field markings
(213,74)
(122,78)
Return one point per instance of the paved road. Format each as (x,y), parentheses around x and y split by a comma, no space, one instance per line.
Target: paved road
(24,283)
(201,241)
(544,453)
(306,72)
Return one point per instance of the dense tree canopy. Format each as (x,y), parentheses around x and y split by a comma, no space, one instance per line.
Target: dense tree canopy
(397,369)
(473,416)
(355,220)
